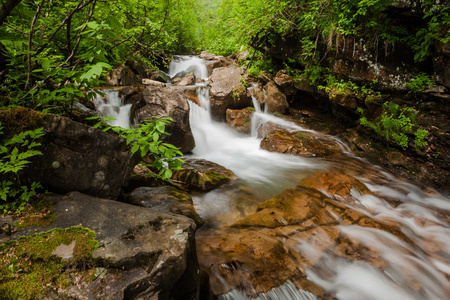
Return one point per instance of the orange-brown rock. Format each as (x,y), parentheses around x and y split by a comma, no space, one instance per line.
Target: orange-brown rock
(301,144)
(240,119)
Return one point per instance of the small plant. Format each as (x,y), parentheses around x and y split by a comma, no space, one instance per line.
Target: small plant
(14,155)
(395,124)
(420,83)
(145,141)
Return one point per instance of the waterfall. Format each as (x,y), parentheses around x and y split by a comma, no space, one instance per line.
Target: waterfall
(111,105)
(415,266)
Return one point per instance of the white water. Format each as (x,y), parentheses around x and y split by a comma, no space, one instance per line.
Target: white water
(417,266)
(417,215)
(112,106)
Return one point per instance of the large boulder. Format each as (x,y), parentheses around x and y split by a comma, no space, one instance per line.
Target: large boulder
(276,99)
(78,157)
(227,91)
(142,253)
(189,79)
(165,199)
(167,102)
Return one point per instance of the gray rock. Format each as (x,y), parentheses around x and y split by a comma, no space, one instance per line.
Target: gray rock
(145,252)
(165,199)
(227,91)
(77,157)
(120,76)
(189,79)
(276,99)
(167,102)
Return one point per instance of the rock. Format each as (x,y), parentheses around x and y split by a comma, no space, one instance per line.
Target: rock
(77,157)
(207,56)
(285,82)
(203,175)
(189,79)
(276,99)
(146,81)
(130,94)
(227,91)
(302,143)
(146,254)
(241,119)
(167,102)
(159,75)
(121,75)
(165,199)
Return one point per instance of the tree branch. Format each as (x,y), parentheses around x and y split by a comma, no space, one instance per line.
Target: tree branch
(6,9)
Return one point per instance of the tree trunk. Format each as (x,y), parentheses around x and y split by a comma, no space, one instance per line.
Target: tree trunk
(6,8)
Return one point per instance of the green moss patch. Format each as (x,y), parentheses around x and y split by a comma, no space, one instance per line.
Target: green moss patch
(39,215)
(18,119)
(29,270)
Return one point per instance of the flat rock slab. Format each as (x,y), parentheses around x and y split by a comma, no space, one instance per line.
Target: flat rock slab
(146,249)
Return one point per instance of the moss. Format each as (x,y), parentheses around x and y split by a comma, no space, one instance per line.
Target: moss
(181,195)
(40,215)
(216,178)
(18,119)
(29,270)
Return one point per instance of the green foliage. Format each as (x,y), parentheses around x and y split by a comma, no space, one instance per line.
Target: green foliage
(55,50)
(144,140)
(396,124)
(29,270)
(420,83)
(14,155)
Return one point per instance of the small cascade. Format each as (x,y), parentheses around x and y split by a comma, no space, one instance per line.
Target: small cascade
(287,291)
(184,65)
(111,105)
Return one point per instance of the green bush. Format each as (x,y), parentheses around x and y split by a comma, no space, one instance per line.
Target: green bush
(396,124)
(420,83)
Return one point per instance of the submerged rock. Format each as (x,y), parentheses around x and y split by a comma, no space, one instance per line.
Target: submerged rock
(143,253)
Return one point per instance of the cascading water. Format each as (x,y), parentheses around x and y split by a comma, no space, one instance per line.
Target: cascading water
(410,261)
(111,105)
(417,266)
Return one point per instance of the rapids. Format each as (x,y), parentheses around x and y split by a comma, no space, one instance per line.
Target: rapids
(399,249)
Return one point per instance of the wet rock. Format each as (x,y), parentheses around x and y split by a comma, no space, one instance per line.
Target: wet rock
(276,99)
(302,143)
(165,199)
(147,81)
(227,91)
(206,55)
(200,174)
(189,79)
(101,161)
(167,102)
(145,253)
(285,82)
(160,76)
(241,119)
(121,75)
(131,94)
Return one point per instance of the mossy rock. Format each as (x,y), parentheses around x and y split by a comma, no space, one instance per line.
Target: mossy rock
(199,174)
(31,267)
(18,119)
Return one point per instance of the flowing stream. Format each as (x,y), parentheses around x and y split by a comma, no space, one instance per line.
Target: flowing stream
(411,260)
